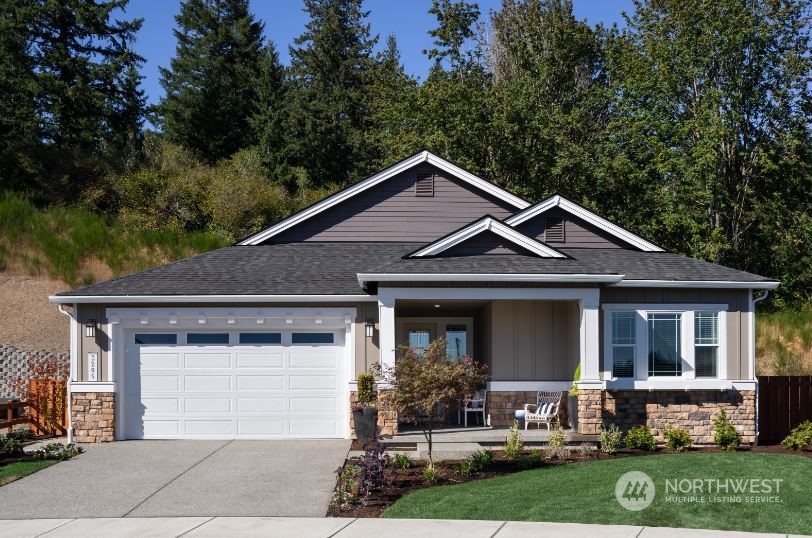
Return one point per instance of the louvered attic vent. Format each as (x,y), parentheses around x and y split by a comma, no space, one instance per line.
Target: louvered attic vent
(424,185)
(554,229)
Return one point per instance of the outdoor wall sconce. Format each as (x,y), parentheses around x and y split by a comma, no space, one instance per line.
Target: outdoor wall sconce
(90,328)
(370,327)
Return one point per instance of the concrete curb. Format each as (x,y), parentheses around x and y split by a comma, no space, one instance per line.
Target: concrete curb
(294,527)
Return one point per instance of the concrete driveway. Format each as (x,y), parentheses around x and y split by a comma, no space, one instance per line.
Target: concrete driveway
(182,478)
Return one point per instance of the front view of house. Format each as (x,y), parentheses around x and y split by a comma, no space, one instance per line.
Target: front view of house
(264,339)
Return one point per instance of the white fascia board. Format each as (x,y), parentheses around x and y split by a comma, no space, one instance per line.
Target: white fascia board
(392,171)
(484,225)
(588,216)
(91,386)
(728,284)
(128,299)
(486,277)
(680,384)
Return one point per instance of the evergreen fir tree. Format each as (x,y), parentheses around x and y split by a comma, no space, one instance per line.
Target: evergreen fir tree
(269,116)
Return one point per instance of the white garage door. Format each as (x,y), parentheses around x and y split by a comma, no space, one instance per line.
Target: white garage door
(232,384)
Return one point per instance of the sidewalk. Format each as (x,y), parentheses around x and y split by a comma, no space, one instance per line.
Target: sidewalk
(225,527)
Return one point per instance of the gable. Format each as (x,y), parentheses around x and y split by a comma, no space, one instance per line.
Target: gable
(419,204)
(485,243)
(576,232)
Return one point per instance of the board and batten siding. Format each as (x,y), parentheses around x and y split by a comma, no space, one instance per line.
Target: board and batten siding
(366,349)
(738,316)
(391,211)
(532,340)
(577,232)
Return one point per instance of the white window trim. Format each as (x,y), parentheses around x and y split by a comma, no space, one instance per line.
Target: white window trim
(688,378)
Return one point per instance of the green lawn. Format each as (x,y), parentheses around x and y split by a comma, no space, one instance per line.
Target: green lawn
(585,493)
(14,471)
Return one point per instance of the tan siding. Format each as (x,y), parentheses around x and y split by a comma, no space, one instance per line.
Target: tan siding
(391,212)
(577,232)
(98,344)
(738,324)
(533,340)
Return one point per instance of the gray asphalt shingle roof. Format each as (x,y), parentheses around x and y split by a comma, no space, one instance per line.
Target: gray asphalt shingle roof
(332,268)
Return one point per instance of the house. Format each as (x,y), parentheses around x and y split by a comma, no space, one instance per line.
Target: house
(263,339)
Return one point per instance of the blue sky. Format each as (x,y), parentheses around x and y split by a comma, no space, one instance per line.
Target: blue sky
(408,20)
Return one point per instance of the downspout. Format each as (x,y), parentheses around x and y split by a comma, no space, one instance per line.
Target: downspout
(70,376)
(754,302)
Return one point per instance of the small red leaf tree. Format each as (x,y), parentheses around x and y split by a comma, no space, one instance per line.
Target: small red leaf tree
(422,382)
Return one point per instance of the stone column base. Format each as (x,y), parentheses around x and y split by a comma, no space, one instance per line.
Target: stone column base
(387,419)
(93,416)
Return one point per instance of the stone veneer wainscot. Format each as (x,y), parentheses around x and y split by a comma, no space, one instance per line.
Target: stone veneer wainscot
(93,417)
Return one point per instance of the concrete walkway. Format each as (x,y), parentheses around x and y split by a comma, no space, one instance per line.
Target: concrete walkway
(225,527)
(182,478)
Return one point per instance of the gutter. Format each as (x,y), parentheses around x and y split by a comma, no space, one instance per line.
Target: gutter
(363,278)
(130,299)
(753,302)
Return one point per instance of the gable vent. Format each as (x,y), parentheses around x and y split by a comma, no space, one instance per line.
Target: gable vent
(424,185)
(554,229)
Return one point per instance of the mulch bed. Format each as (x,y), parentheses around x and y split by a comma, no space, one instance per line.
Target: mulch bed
(407,480)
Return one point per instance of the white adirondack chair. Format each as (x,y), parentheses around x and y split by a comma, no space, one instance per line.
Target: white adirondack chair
(544,411)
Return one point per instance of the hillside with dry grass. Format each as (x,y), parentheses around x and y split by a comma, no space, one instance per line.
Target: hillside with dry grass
(784,343)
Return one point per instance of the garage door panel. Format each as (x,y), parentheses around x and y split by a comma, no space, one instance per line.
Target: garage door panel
(313,382)
(260,360)
(207,383)
(160,405)
(206,361)
(314,359)
(208,428)
(159,383)
(313,428)
(313,405)
(159,361)
(272,427)
(260,405)
(207,405)
(262,390)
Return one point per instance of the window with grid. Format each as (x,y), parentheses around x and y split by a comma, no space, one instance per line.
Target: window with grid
(624,344)
(706,343)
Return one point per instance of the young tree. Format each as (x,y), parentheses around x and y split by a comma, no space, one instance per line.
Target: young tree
(211,84)
(423,383)
(331,70)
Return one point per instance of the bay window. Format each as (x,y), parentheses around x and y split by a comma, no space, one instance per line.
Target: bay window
(663,341)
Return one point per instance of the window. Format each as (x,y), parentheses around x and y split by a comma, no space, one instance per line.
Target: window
(664,344)
(424,184)
(260,338)
(623,343)
(313,338)
(207,338)
(156,338)
(456,341)
(706,343)
(419,340)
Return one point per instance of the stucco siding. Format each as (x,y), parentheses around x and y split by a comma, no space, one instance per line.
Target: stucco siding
(391,212)
(737,320)
(533,340)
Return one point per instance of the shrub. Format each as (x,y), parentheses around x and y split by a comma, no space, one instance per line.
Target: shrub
(535,458)
(366,385)
(557,444)
(799,437)
(611,439)
(402,461)
(587,450)
(514,444)
(10,446)
(58,451)
(480,459)
(677,439)
(641,437)
(726,435)
(373,465)
(21,434)
(466,467)
(430,473)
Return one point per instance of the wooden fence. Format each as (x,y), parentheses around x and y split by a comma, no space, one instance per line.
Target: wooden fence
(47,409)
(783,403)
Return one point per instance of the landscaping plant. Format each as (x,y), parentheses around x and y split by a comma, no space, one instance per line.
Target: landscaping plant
(402,461)
(514,444)
(374,465)
(726,435)
(799,437)
(611,439)
(587,450)
(640,437)
(58,451)
(677,439)
(557,444)
(422,383)
(480,459)
(366,388)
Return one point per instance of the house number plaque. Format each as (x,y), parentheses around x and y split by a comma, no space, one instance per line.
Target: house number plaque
(92,366)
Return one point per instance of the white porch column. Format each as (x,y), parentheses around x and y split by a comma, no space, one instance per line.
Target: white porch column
(590,338)
(386,328)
